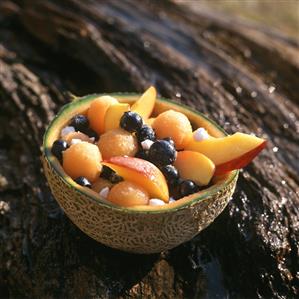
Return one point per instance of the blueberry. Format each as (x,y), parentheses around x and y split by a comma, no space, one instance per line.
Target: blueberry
(115,178)
(170,140)
(142,154)
(106,172)
(80,122)
(171,174)
(81,180)
(110,175)
(162,153)
(91,133)
(188,187)
(145,133)
(58,147)
(131,121)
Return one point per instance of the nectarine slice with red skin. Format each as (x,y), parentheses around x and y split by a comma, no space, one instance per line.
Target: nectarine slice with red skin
(144,106)
(142,173)
(241,161)
(194,166)
(229,152)
(114,114)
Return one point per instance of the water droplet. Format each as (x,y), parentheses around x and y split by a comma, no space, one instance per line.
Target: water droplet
(217,83)
(247,53)
(275,149)
(283,200)
(246,175)
(178,95)
(238,89)
(285,125)
(292,115)
(253,94)
(146,44)
(283,182)
(271,89)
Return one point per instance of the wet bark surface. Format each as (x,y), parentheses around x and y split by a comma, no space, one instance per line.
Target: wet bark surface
(242,76)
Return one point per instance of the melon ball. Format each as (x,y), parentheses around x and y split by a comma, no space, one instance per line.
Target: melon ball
(128,194)
(97,110)
(82,159)
(76,135)
(118,142)
(175,125)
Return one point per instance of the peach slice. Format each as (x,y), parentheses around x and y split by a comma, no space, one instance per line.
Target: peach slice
(114,114)
(142,173)
(230,152)
(150,121)
(145,105)
(194,166)
(97,110)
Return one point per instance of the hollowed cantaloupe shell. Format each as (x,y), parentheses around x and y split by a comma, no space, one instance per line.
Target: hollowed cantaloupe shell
(144,229)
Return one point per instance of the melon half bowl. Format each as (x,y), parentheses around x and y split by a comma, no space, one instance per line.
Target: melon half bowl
(143,229)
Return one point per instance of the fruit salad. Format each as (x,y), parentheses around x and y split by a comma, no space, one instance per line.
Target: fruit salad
(131,157)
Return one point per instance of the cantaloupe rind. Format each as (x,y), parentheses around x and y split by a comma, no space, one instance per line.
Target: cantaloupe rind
(142,229)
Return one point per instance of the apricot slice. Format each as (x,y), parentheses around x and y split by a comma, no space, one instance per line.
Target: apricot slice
(149,121)
(142,173)
(114,114)
(194,166)
(118,142)
(175,125)
(230,152)
(145,105)
(128,194)
(97,110)
(76,135)
(82,159)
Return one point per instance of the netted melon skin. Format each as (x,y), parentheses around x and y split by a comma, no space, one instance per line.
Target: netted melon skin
(135,232)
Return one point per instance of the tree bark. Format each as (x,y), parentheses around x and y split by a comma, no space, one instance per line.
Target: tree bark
(242,76)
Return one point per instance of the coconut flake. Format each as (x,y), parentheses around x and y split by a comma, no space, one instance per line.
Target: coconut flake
(200,134)
(156,202)
(171,199)
(104,192)
(146,144)
(75,141)
(67,130)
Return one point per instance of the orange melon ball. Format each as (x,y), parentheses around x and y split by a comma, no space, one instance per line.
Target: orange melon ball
(82,159)
(100,184)
(97,110)
(118,142)
(76,135)
(128,194)
(175,125)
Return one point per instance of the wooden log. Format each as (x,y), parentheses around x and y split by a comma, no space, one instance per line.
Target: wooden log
(243,77)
